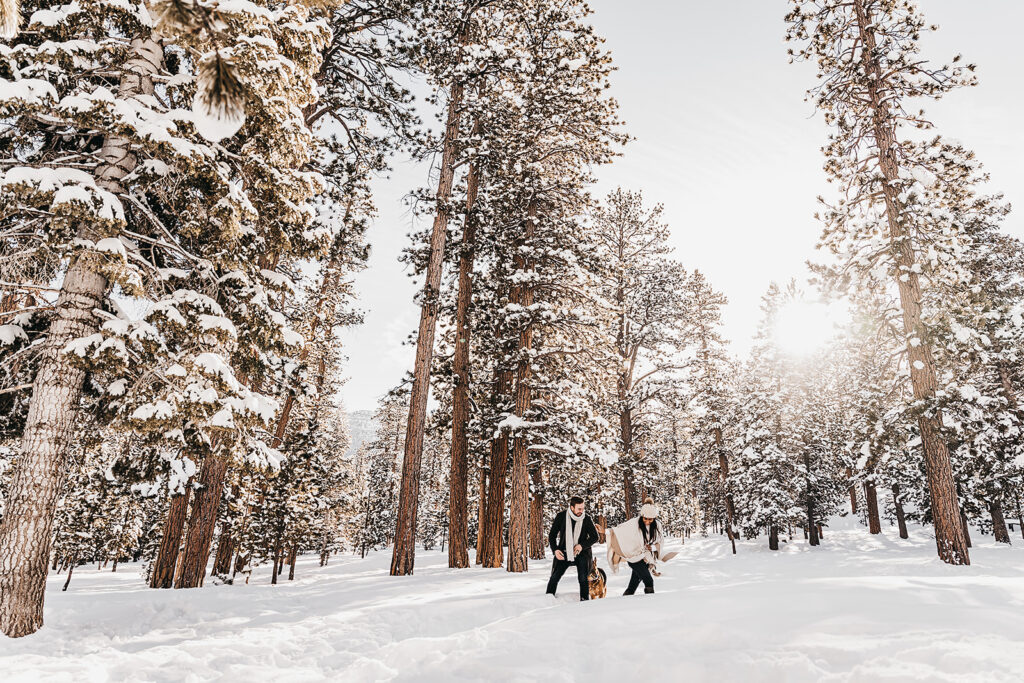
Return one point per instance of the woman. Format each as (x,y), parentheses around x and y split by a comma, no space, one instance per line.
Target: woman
(638,541)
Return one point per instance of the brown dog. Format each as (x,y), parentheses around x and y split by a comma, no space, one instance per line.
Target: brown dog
(598,581)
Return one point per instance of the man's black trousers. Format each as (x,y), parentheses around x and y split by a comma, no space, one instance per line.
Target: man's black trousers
(582,571)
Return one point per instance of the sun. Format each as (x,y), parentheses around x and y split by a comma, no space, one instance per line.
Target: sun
(803,328)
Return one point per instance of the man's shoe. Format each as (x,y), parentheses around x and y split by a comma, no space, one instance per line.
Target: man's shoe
(648,590)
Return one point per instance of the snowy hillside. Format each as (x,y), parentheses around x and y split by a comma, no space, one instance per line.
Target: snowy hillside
(361,428)
(859,608)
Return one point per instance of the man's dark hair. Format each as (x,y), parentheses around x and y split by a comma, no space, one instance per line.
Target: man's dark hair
(575,500)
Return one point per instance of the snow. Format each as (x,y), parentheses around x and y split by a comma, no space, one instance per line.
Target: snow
(110,245)
(11,333)
(858,608)
(29,90)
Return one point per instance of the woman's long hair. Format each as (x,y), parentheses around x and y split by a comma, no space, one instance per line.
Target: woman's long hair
(643,529)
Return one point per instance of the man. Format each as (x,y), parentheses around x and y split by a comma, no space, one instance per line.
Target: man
(572,534)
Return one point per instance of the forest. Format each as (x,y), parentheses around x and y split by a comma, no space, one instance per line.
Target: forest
(186,190)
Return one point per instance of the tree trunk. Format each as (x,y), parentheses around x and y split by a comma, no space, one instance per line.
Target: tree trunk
(494,520)
(901,518)
(812,523)
(404,556)
(871,495)
(71,568)
(292,560)
(630,504)
(162,574)
(26,528)
(966,528)
(537,540)
(202,522)
(853,493)
(480,515)
(1020,518)
(950,539)
(458,513)
(773,537)
(277,562)
(519,515)
(723,472)
(225,551)
(995,509)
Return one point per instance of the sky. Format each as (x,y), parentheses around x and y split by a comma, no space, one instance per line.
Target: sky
(725,141)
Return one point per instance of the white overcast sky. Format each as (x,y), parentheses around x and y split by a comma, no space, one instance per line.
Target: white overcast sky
(726,142)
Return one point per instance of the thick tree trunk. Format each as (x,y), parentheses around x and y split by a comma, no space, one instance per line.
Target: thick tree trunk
(494,520)
(773,537)
(403,558)
(519,500)
(293,558)
(537,540)
(458,504)
(481,509)
(225,551)
(162,575)
(966,528)
(871,496)
(950,540)
(999,530)
(26,528)
(202,522)
(901,518)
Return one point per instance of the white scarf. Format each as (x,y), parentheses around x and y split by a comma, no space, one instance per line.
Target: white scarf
(572,534)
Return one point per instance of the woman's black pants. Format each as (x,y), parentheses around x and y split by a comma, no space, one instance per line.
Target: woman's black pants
(640,573)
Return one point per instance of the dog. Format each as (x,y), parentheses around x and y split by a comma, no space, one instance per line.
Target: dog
(598,581)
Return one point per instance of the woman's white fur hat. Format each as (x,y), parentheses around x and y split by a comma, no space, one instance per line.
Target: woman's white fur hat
(649,510)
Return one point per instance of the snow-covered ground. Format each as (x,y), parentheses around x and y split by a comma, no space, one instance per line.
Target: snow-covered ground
(858,608)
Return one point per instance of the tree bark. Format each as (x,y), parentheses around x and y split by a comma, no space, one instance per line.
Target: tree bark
(871,496)
(26,528)
(403,558)
(773,537)
(901,518)
(812,523)
(277,562)
(966,528)
(494,520)
(723,472)
(293,558)
(71,569)
(202,522)
(519,515)
(950,539)
(853,493)
(458,504)
(630,507)
(225,551)
(1020,518)
(999,530)
(537,540)
(480,515)
(162,575)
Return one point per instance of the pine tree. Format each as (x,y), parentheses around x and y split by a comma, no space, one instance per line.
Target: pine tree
(891,225)
(646,289)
